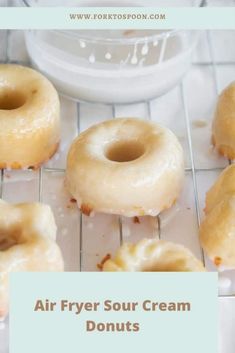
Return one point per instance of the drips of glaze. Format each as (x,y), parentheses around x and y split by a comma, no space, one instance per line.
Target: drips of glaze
(134,58)
(82,44)
(92,58)
(108,56)
(145,49)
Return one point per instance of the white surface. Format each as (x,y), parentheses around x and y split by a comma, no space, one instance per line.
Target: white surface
(112,2)
(165,3)
(100,234)
(226,325)
(152,3)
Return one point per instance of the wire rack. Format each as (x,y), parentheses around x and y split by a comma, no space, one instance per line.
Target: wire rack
(86,240)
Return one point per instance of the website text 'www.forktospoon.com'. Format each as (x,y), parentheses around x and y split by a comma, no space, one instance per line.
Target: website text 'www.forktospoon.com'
(117,16)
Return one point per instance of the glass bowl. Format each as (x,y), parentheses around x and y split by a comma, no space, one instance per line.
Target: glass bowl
(112,66)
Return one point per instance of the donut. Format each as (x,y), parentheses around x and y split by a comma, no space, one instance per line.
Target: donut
(29,118)
(225,184)
(152,255)
(27,243)
(217,233)
(223,126)
(125,166)
(217,230)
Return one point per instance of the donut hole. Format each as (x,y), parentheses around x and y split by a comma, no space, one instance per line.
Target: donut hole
(124,151)
(9,238)
(11,99)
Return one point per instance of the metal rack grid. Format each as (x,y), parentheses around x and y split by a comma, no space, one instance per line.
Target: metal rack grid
(192,169)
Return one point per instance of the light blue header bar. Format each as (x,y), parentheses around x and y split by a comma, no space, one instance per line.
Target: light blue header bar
(117,18)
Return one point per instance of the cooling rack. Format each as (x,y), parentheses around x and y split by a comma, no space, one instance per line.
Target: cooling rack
(187,110)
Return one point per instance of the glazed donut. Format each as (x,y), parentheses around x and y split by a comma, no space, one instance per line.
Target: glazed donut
(152,255)
(224,185)
(129,167)
(217,231)
(27,243)
(223,126)
(29,118)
